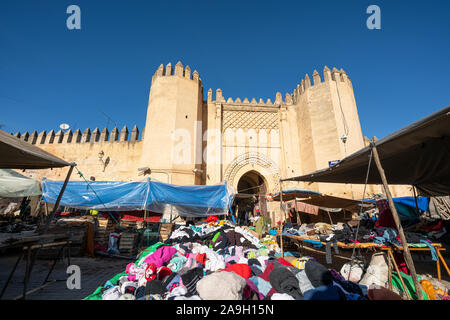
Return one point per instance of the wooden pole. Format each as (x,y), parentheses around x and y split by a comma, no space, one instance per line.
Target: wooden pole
(282,218)
(399,274)
(52,215)
(406,253)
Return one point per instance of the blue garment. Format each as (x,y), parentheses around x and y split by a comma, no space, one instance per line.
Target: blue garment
(324,293)
(263,285)
(389,236)
(434,255)
(315,243)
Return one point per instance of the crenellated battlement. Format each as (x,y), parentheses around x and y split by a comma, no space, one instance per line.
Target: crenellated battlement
(289,98)
(238,101)
(328,76)
(178,71)
(87,136)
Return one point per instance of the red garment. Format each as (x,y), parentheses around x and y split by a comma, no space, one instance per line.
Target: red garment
(284,262)
(401,263)
(267,271)
(240,269)
(386,220)
(437,226)
(271,292)
(212,219)
(201,258)
(152,217)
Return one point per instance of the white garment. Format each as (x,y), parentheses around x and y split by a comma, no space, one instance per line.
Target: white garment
(354,275)
(281,296)
(377,272)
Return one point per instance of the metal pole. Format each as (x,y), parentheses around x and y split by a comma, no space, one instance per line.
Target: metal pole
(58,200)
(406,253)
(282,218)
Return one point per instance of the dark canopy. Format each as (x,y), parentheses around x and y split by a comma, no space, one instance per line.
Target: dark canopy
(19,154)
(418,155)
(327,201)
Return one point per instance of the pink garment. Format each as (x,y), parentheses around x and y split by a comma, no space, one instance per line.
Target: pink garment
(161,256)
(231,258)
(239,251)
(249,288)
(191,255)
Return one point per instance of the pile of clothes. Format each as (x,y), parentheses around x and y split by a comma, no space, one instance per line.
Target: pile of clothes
(220,261)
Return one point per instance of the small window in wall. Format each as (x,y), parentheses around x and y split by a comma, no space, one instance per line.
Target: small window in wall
(186,116)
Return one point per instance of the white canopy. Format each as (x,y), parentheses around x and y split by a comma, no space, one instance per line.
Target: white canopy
(15,185)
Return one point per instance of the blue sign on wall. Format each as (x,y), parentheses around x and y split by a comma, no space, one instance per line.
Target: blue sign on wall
(332,163)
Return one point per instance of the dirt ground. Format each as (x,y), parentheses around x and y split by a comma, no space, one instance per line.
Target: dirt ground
(94,272)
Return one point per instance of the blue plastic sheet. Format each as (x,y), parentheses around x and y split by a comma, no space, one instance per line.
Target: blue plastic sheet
(406,206)
(154,196)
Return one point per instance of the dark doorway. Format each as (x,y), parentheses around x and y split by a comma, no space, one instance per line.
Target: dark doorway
(251,197)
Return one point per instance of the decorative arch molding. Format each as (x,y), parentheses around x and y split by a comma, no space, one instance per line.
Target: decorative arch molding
(254,161)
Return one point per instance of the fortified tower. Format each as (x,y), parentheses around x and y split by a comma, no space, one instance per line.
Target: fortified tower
(172,141)
(328,124)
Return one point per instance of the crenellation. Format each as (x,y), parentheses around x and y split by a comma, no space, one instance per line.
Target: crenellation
(160,71)
(253,101)
(219,97)
(179,69)
(58,137)
(33,137)
(326,74)
(278,98)
(288,99)
(210,94)
(67,137)
(50,137)
(335,75)
(86,135)
(17,135)
(77,136)
(95,137)
(114,136)
(307,82)
(41,137)
(25,136)
(195,76)
(316,77)
(187,73)
(168,69)
(124,134)
(245,100)
(230,100)
(344,76)
(104,135)
(134,133)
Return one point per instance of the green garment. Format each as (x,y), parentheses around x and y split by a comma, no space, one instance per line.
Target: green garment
(147,251)
(259,227)
(408,283)
(97,294)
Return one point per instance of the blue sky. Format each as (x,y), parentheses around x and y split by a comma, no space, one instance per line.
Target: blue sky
(50,75)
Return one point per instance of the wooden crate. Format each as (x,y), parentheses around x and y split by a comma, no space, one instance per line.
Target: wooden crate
(127,243)
(165,230)
(104,228)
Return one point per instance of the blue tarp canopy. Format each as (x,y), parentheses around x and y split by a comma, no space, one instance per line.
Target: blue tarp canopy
(193,201)
(406,206)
